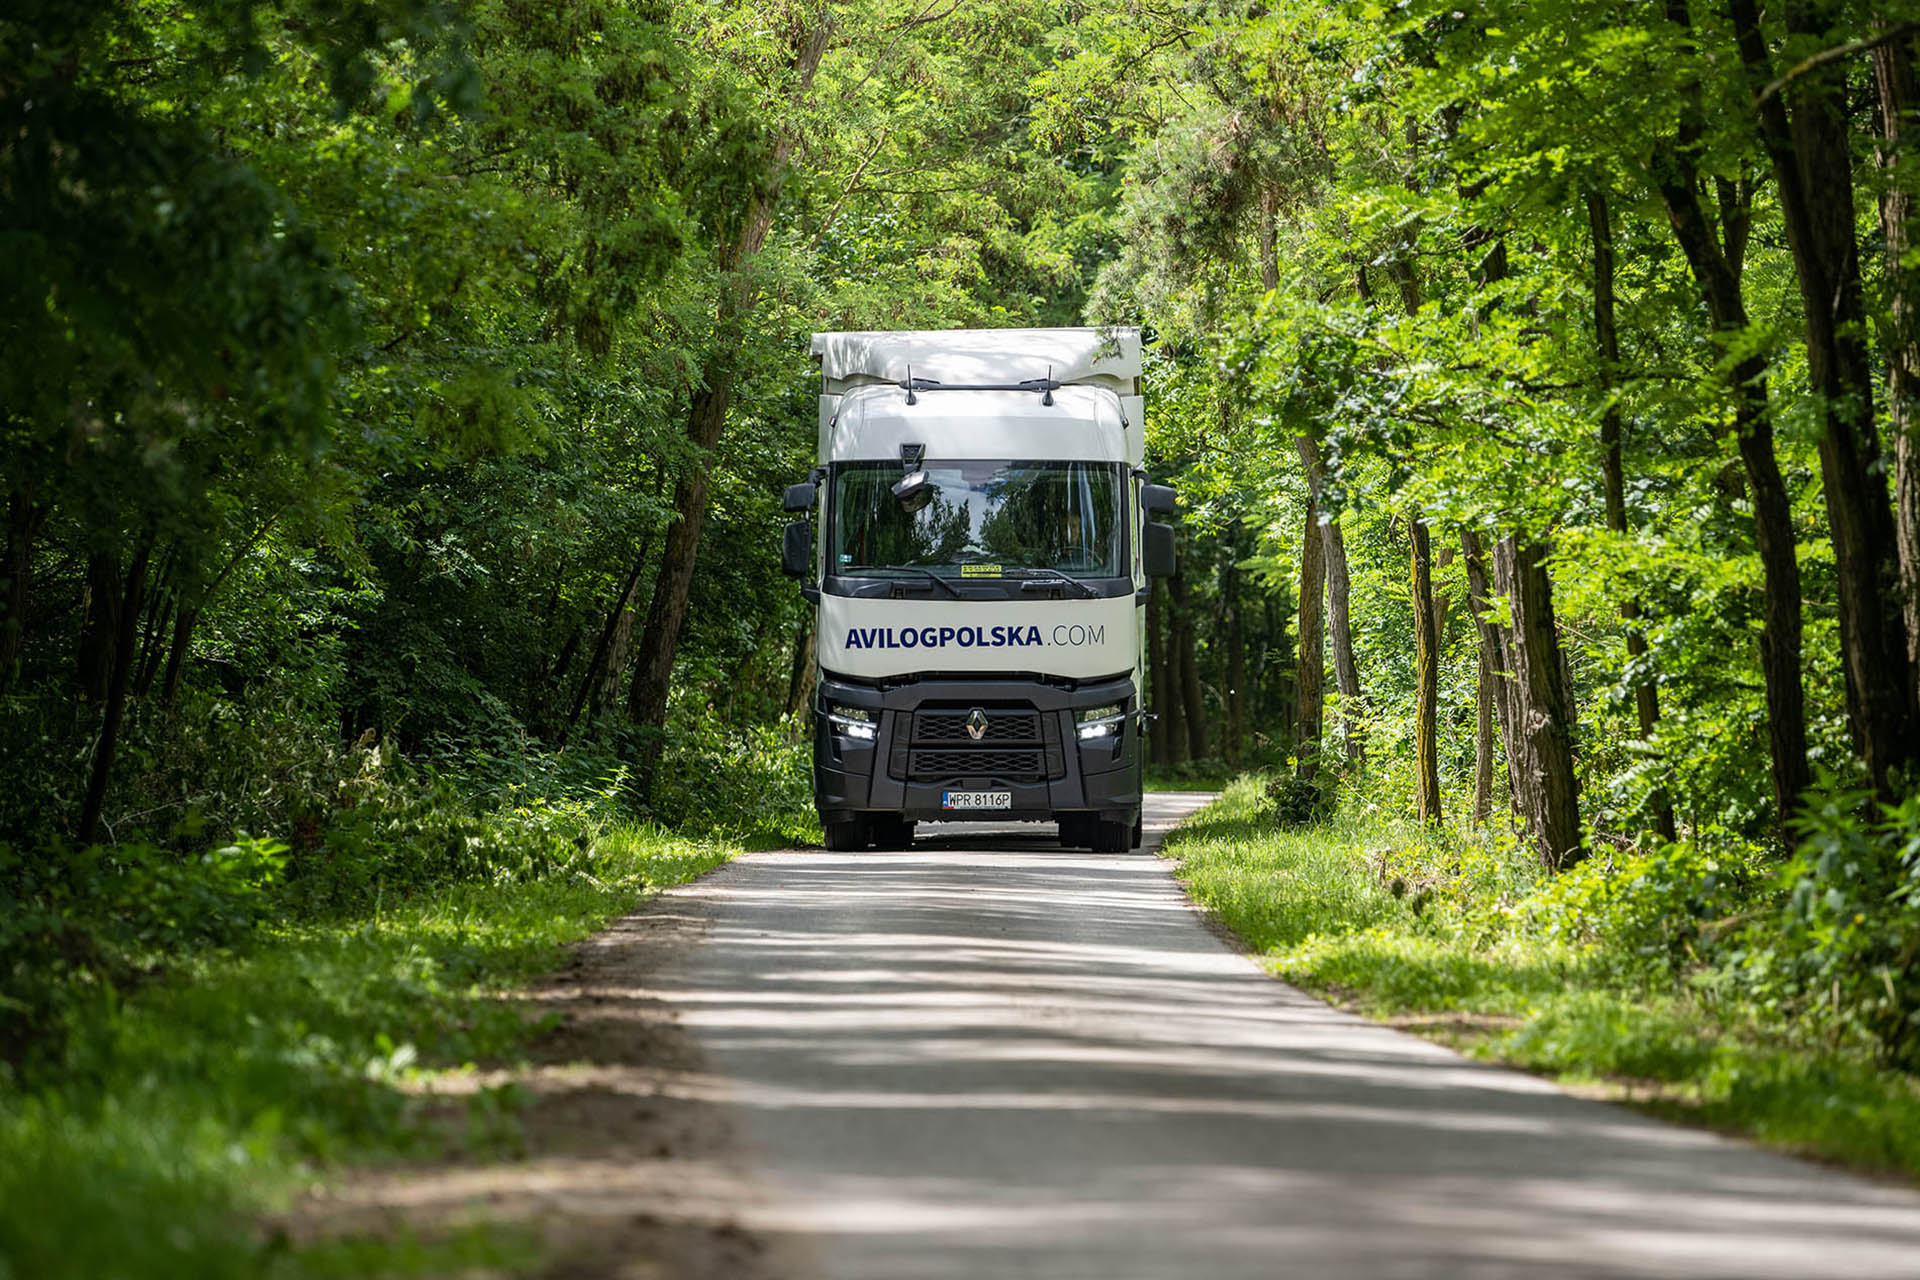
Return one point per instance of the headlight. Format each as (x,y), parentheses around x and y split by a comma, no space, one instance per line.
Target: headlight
(853,722)
(1101,722)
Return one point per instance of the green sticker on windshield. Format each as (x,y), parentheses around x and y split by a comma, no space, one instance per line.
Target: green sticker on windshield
(979,570)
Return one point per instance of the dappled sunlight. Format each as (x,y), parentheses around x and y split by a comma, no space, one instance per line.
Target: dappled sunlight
(998,1057)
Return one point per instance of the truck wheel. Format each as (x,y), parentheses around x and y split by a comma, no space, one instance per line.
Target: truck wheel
(1111,837)
(1139,831)
(1076,831)
(890,831)
(846,837)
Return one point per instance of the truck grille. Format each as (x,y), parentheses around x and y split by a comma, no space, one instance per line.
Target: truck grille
(1010,766)
(951,726)
(1017,744)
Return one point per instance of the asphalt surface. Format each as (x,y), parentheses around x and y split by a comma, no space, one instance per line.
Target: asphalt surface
(990,1057)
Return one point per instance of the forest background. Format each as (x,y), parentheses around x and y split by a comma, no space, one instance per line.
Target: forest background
(398,394)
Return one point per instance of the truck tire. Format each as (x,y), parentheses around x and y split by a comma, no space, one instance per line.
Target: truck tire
(846,837)
(1111,837)
(1076,830)
(891,831)
(1139,831)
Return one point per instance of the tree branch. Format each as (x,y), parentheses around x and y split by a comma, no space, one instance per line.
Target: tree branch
(1813,62)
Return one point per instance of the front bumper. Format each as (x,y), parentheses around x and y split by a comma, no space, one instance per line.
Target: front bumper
(1048,770)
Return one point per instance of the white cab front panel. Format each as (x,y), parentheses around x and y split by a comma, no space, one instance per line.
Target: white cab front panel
(1079,639)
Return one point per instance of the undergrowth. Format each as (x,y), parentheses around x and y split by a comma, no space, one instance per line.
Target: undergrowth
(1688,980)
(176,1112)
(187,1037)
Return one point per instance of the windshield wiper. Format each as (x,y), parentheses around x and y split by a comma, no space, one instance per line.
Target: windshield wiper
(1050,576)
(928,574)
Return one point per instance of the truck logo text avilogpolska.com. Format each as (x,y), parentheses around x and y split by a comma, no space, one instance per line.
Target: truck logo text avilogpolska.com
(1065,635)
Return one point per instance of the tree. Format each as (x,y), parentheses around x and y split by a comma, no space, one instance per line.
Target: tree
(1804,127)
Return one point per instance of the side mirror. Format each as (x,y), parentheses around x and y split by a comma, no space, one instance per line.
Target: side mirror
(1157,499)
(1156,552)
(796,549)
(799,497)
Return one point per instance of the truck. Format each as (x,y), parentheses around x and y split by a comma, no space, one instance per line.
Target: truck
(977,546)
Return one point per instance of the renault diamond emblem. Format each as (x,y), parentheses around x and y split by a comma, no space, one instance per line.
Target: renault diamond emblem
(976,724)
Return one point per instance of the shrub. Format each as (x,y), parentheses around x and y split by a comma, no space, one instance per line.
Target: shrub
(1843,947)
(1648,916)
(1294,801)
(77,922)
(740,781)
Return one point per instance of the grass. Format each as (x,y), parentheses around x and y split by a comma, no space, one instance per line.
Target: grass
(182,1111)
(1196,775)
(1467,941)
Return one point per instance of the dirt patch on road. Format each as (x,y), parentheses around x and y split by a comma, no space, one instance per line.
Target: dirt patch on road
(626,1166)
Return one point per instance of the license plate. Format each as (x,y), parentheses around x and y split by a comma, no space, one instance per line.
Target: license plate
(976,799)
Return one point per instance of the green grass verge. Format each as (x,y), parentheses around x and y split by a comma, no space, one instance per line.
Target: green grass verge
(1327,908)
(184,1110)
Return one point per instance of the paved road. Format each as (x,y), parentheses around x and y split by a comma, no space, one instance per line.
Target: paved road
(989,1057)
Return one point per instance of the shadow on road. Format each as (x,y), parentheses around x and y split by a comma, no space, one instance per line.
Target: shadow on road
(994,1057)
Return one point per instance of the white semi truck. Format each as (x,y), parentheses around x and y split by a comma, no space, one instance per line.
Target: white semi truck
(979,568)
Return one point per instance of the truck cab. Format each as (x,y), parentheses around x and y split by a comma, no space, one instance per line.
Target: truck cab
(979,558)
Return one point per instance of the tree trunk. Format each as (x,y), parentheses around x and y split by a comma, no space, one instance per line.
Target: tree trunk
(1310,675)
(24,516)
(606,689)
(1192,708)
(1483,696)
(1426,679)
(1171,702)
(1346,670)
(128,616)
(1266,238)
(706,417)
(1230,587)
(100,633)
(161,600)
(800,675)
(1493,657)
(1278,669)
(1899,95)
(1714,265)
(1158,677)
(1646,696)
(1338,586)
(600,682)
(153,652)
(1812,160)
(184,620)
(1543,703)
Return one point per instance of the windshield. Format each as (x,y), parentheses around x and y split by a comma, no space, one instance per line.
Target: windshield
(979,519)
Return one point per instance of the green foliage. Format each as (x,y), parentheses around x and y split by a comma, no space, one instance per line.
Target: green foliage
(171,1113)
(1296,801)
(75,924)
(1843,950)
(1665,973)
(79,926)
(1653,916)
(756,784)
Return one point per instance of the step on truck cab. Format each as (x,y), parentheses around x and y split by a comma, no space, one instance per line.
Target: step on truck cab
(978,557)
